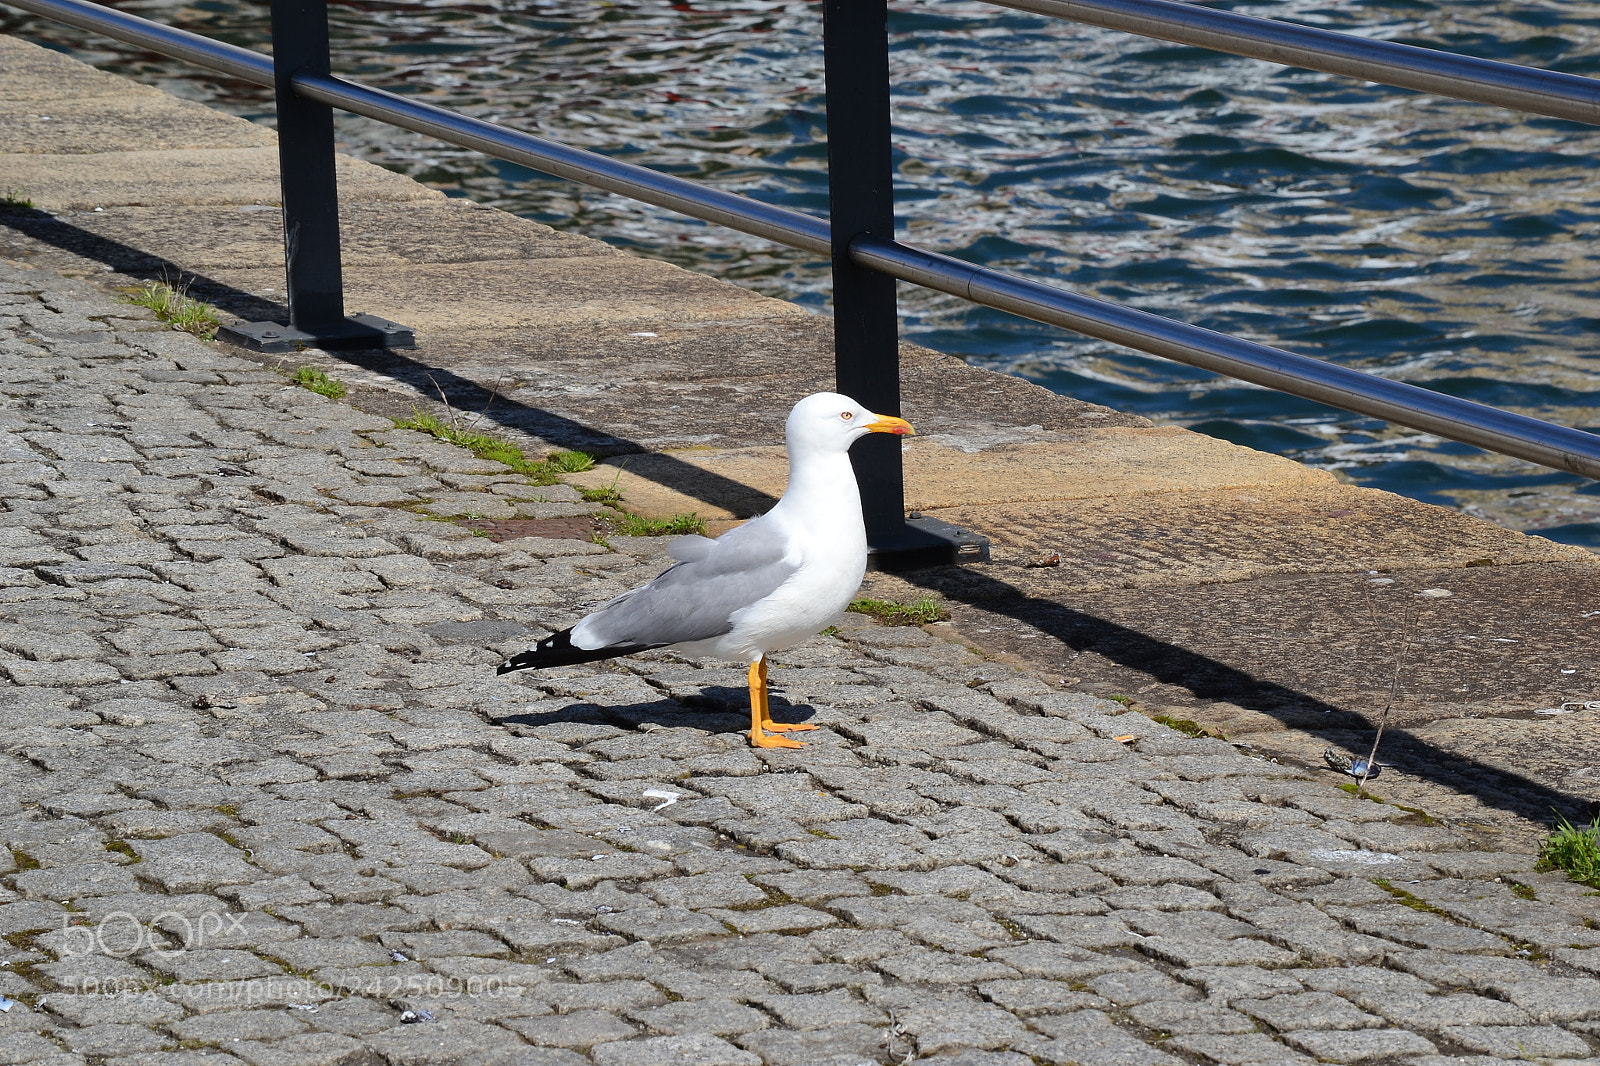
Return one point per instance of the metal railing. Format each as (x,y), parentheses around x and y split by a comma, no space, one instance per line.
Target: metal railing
(859,235)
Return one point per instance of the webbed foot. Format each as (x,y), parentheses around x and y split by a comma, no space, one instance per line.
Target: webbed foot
(759,739)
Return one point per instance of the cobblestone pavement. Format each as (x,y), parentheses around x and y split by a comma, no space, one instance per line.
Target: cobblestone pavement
(265,800)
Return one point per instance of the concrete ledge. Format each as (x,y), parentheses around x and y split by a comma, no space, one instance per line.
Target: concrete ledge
(1092,465)
(216,239)
(181,178)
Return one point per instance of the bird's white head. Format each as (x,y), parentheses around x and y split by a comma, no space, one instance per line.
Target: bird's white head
(826,422)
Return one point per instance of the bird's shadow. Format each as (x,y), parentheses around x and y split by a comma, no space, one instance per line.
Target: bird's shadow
(736,701)
(663,712)
(716,709)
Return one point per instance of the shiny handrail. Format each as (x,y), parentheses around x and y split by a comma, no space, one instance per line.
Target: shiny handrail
(1404,66)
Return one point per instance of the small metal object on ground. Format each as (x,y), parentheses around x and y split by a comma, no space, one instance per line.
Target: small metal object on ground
(1339,762)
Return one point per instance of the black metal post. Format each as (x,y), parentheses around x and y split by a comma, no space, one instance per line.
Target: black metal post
(866,336)
(305,160)
(310,203)
(861,201)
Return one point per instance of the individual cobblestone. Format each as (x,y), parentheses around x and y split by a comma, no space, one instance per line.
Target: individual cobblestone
(268,804)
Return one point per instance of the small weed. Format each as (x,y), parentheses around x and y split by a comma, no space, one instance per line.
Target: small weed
(309,377)
(175,307)
(920,613)
(229,809)
(1406,899)
(1187,726)
(774,899)
(610,495)
(24,861)
(1523,891)
(632,525)
(1355,790)
(121,847)
(1011,927)
(1575,849)
(482,445)
(1126,701)
(1418,816)
(15,199)
(571,462)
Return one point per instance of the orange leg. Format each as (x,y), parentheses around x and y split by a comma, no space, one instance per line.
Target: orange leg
(758,711)
(766,714)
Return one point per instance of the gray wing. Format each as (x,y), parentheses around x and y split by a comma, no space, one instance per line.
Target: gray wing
(695,599)
(688,548)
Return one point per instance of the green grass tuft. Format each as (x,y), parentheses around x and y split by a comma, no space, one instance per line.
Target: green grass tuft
(1575,849)
(571,462)
(122,847)
(542,472)
(1187,726)
(632,525)
(920,613)
(175,307)
(16,200)
(309,377)
(1406,899)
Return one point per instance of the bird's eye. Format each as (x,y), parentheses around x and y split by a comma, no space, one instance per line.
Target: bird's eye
(847,415)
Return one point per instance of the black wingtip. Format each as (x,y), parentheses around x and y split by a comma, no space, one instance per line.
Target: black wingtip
(558,650)
(554,650)
(526,661)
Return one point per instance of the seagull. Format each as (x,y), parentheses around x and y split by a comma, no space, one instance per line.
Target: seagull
(760,587)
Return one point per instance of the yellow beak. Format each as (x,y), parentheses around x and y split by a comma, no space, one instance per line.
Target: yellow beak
(890,424)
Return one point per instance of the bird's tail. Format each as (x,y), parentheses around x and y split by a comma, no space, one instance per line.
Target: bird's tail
(558,650)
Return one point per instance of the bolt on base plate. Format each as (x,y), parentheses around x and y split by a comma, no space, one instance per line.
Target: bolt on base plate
(925,541)
(357,331)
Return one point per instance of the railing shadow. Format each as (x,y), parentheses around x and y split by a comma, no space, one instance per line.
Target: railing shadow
(1209,678)
(425,380)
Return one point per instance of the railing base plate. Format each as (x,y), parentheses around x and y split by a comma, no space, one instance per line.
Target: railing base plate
(927,541)
(357,331)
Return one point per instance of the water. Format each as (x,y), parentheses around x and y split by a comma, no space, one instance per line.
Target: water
(1442,243)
